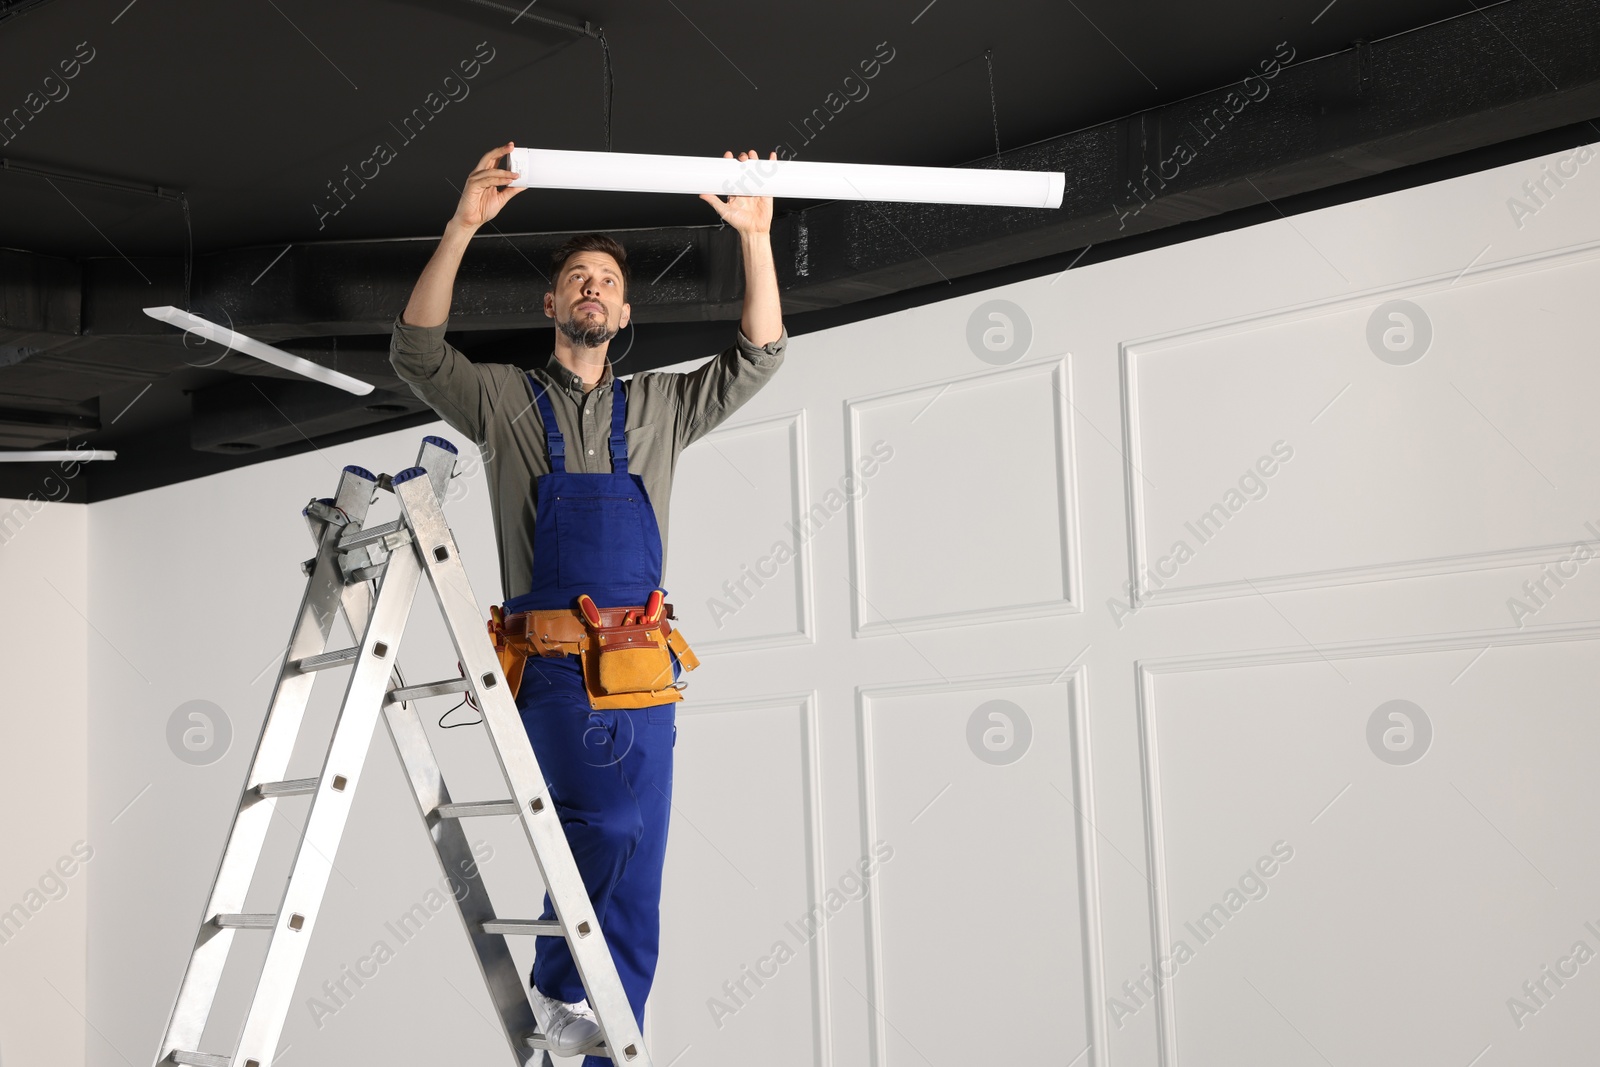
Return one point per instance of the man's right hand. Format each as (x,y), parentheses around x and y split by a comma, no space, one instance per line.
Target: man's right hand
(481,198)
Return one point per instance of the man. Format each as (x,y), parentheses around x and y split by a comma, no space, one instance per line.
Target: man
(579,466)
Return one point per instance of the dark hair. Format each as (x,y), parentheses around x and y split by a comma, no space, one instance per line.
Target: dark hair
(589,242)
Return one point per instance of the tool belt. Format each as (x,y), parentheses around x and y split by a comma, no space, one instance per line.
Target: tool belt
(626,652)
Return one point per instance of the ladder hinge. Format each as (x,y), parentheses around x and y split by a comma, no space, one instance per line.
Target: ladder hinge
(326,511)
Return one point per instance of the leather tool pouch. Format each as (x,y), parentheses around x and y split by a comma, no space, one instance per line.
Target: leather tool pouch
(631,659)
(513,656)
(686,658)
(627,661)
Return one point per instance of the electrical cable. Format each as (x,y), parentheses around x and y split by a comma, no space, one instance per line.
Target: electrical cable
(606,83)
(994,111)
(188,257)
(465,699)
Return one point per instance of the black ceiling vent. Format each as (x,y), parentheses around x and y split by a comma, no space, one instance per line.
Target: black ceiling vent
(255,413)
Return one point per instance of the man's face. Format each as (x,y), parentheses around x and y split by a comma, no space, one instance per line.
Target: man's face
(587,303)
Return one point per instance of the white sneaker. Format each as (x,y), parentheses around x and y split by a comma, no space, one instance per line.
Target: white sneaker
(570,1028)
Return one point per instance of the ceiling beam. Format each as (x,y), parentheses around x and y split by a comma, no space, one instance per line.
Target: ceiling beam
(73,330)
(1515,68)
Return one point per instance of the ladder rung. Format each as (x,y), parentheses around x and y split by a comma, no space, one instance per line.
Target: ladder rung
(291,787)
(430,689)
(336,658)
(201,1059)
(250,920)
(369,537)
(478,807)
(537,927)
(538,1040)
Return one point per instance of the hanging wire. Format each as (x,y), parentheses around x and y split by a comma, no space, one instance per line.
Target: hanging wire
(994,111)
(465,700)
(188,258)
(606,85)
(453,725)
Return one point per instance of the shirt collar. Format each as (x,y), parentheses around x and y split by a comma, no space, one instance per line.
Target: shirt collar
(559,373)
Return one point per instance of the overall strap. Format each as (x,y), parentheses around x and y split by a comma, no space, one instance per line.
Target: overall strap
(619,416)
(553,443)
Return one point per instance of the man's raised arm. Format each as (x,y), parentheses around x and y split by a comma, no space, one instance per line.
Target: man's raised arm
(435,370)
(707,395)
(751,216)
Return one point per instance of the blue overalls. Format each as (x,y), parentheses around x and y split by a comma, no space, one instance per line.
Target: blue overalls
(609,771)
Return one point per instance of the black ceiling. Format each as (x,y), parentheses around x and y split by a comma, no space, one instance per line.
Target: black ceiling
(226,125)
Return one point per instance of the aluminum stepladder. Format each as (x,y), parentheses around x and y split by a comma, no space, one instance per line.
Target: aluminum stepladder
(396,555)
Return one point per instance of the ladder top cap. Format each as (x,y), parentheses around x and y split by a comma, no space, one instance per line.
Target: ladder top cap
(408,474)
(360,472)
(442,443)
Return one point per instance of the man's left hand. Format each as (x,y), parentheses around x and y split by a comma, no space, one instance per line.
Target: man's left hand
(747,214)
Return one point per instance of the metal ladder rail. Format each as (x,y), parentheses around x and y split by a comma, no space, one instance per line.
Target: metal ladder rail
(436,549)
(486,931)
(450,844)
(330,808)
(397,570)
(264,782)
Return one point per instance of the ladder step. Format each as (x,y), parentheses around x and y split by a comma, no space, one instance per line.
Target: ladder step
(291,787)
(252,920)
(539,1041)
(478,807)
(404,693)
(537,927)
(368,537)
(336,658)
(201,1059)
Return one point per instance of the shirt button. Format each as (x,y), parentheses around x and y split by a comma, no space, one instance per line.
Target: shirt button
(591,451)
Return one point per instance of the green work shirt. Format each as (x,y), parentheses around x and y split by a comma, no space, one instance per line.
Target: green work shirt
(492,404)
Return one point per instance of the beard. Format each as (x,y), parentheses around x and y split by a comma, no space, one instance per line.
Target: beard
(588,336)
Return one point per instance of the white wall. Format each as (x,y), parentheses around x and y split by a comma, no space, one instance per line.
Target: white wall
(44,881)
(1171,747)
(1174,746)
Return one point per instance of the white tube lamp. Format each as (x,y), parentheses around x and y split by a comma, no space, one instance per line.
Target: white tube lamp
(75,455)
(249,346)
(634,172)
